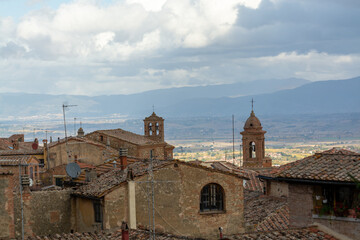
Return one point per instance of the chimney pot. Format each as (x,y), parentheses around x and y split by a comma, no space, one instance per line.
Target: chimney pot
(123,157)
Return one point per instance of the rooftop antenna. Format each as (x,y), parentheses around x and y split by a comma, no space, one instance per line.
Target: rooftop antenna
(153,108)
(74,126)
(66,146)
(233,131)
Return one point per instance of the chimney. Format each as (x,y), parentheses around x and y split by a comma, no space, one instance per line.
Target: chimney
(124,231)
(123,157)
(16,144)
(45,142)
(50,139)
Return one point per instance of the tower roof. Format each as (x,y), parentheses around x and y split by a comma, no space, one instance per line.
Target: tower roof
(153,117)
(252,122)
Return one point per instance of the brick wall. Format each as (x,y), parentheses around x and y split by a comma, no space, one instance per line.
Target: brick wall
(300,205)
(45,212)
(7,227)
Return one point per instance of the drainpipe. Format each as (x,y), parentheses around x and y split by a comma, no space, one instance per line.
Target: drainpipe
(220,231)
(124,231)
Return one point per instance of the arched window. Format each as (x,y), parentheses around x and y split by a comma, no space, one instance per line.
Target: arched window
(252,152)
(212,198)
(150,129)
(157,128)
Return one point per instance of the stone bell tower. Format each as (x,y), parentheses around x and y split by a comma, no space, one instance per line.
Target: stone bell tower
(253,140)
(154,127)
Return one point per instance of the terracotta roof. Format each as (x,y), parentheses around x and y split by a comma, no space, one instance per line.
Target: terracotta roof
(13,160)
(106,182)
(332,165)
(103,168)
(133,235)
(128,136)
(312,233)
(263,212)
(253,184)
(277,220)
(10,152)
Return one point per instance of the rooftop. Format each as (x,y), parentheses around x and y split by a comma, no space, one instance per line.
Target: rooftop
(263,212)
(14,160)
(128,136)
(111,179)
(331,165)
(312,233)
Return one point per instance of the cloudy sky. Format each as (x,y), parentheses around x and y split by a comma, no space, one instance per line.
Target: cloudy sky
(95,47)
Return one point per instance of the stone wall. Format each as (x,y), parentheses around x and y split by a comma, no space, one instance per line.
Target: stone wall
(278,189)
(300,205)
(45,212)
(177,203)
(7,227)
(114,143)
(85,152)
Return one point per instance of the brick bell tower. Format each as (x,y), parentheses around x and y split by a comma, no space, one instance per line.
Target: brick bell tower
(154,127)
(253,140)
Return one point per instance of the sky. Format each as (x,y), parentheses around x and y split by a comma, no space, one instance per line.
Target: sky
(98,47)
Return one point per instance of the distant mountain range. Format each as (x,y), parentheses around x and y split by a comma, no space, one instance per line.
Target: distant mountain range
(286,96)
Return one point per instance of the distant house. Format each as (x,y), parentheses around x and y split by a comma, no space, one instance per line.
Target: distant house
(151,144)
(29,166)
(188,198)
(320,190)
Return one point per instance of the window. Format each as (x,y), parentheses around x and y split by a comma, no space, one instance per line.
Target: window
(150,129)
(338,201)
(212,198)
(252,152)
(101,138)
(157,128)
(97,211)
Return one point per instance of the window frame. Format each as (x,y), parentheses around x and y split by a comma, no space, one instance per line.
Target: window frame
(212,199)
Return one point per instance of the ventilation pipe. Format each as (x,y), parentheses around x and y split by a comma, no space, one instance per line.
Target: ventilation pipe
(123,157)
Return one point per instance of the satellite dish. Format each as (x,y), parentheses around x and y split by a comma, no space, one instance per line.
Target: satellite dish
(73,170)
(34,146)
(31,182)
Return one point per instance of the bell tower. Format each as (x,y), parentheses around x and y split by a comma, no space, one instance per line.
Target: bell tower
(154,127)
(253,140)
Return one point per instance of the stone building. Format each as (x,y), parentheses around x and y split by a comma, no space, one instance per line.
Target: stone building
(7,226)
(30,166)
(151,144)
(322,187)
(253,142)
(189,199)
(78,149)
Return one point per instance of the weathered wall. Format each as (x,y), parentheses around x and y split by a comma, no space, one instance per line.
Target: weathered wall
(177,203)
(279,189)
(84,216)
(85,152)
(114,143)
(7,227)
(134,150)
(45,212)
(300,205)
(348,228)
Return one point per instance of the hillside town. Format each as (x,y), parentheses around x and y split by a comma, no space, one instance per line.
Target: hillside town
(115,184)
